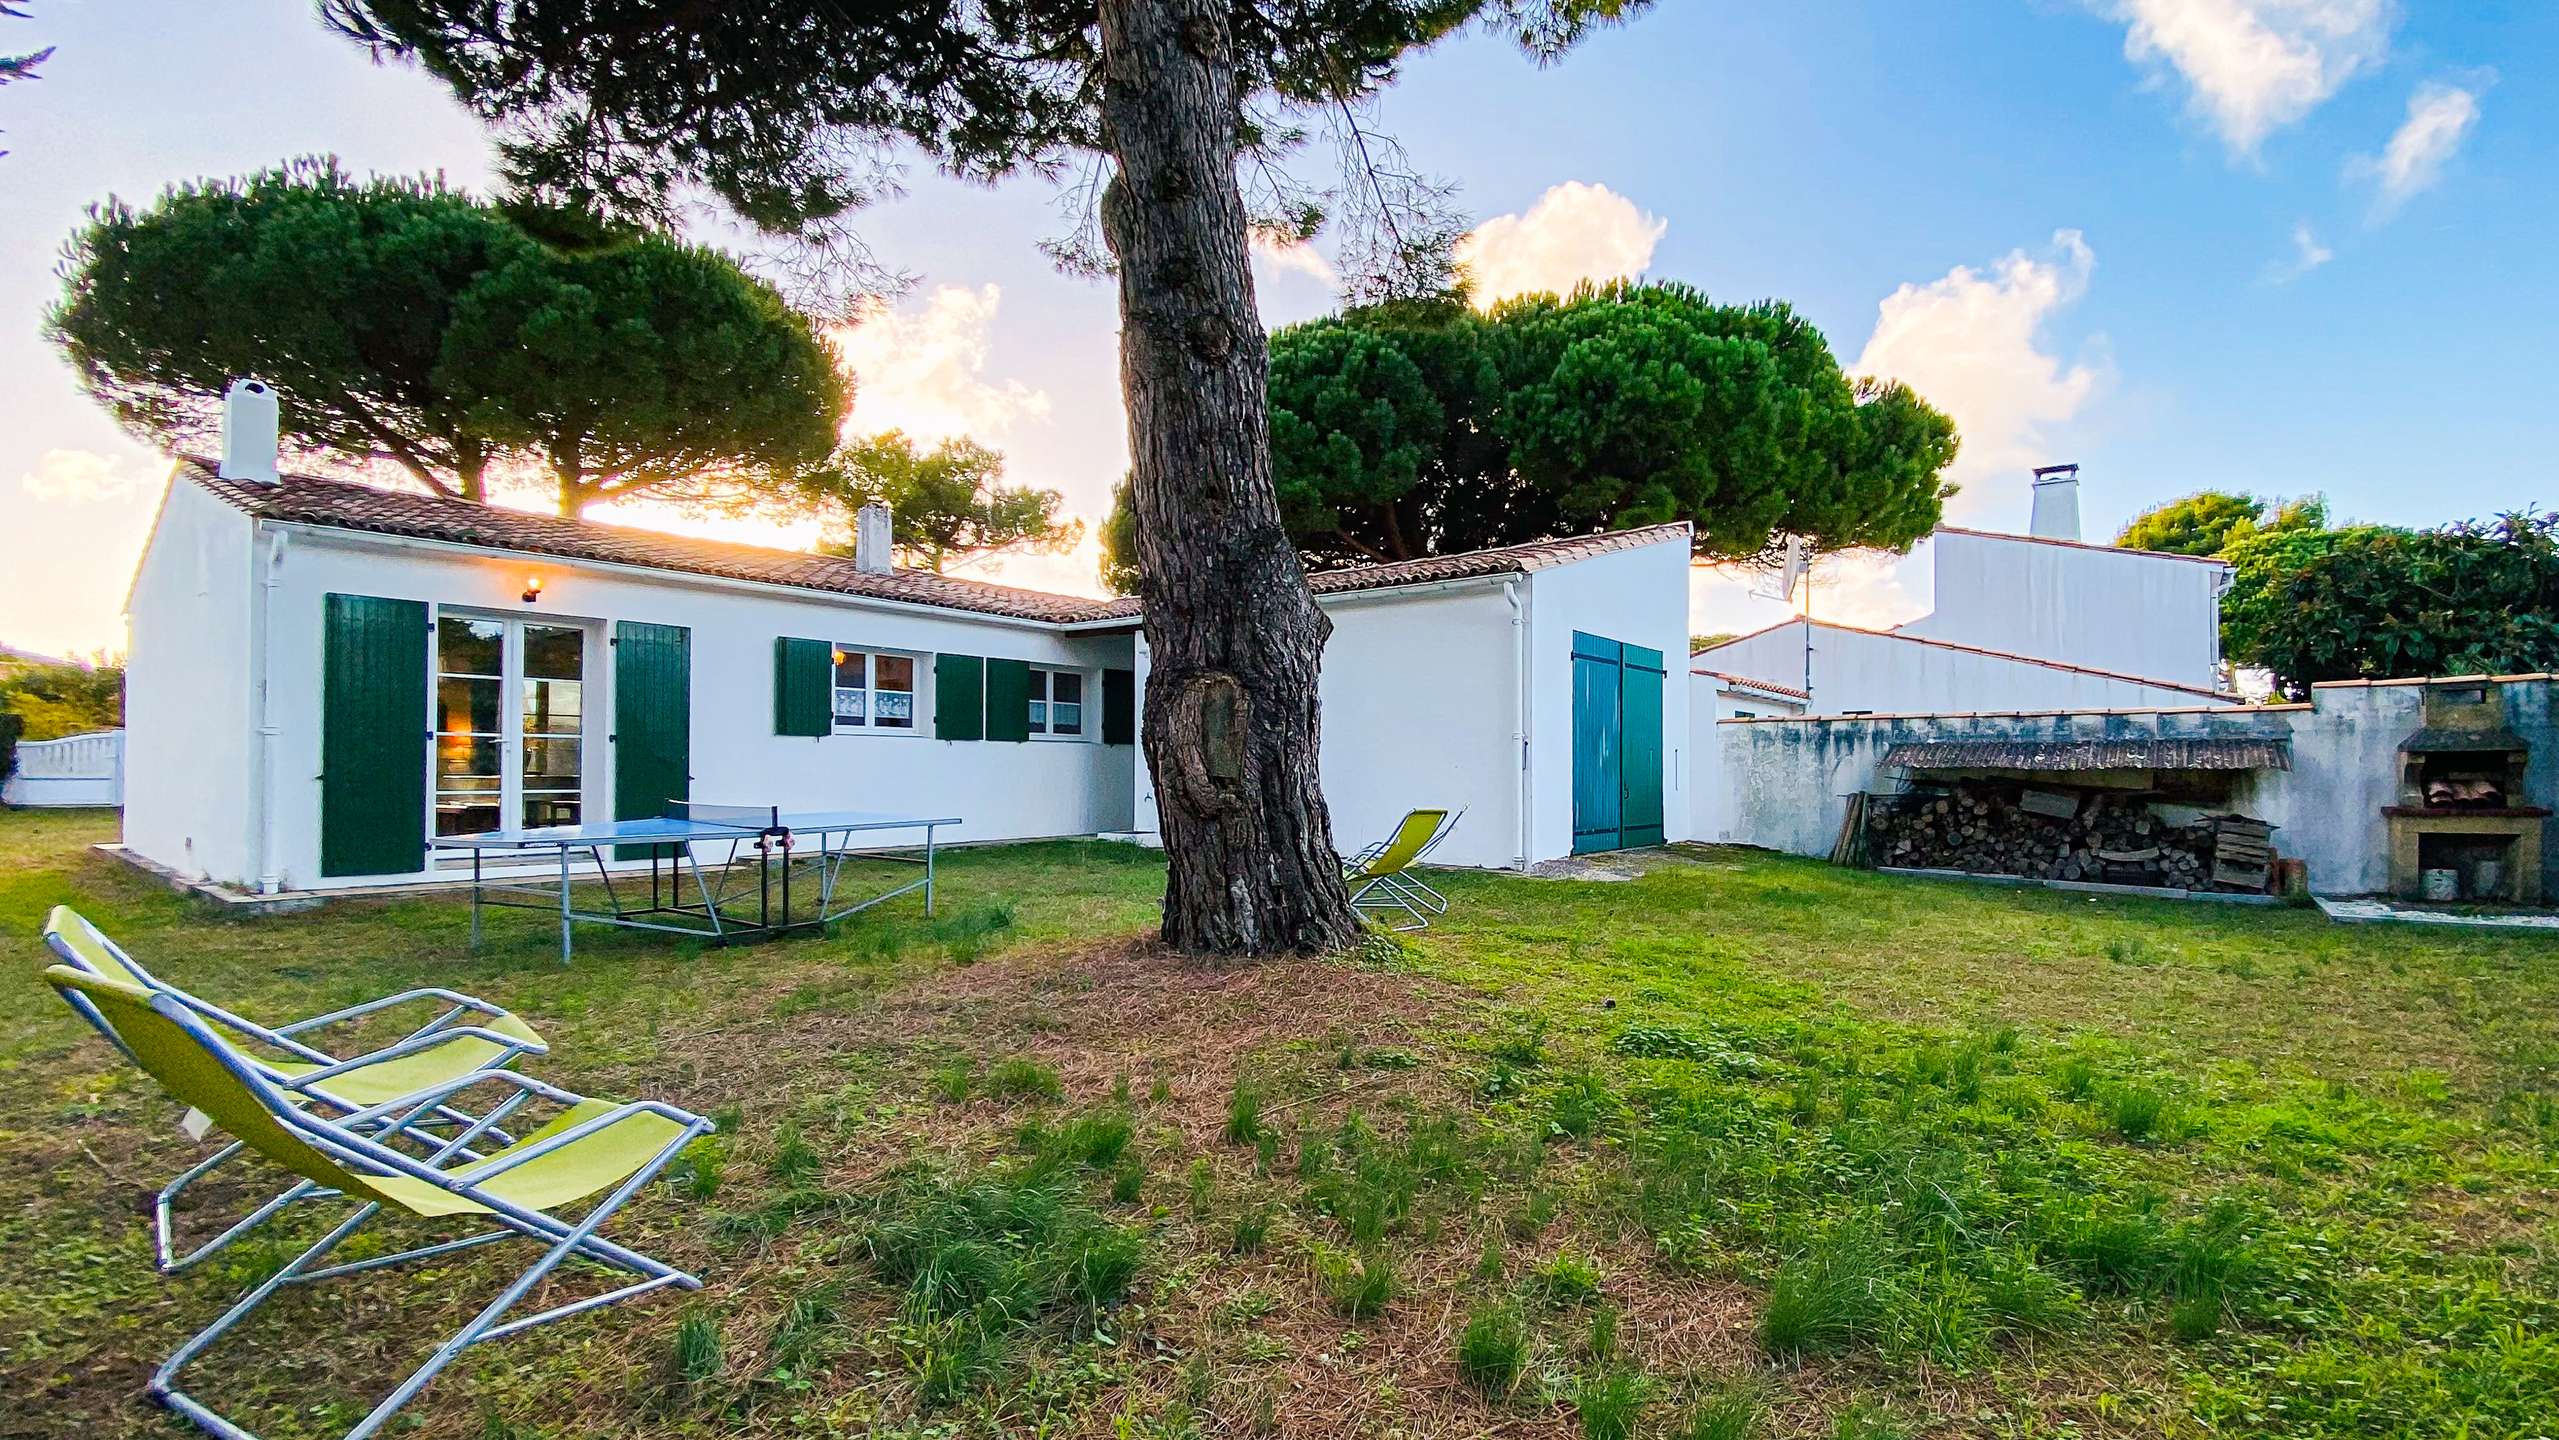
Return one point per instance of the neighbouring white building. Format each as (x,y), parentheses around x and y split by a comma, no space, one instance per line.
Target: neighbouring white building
(324,675)
(2036,621)
(2021,623)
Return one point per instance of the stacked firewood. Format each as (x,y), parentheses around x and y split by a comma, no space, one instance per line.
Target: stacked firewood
(1996,828)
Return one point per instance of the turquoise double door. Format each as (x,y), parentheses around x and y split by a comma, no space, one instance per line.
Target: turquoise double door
(1617,744)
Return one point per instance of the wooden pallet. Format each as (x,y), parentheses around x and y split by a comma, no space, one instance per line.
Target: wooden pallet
(2242,852)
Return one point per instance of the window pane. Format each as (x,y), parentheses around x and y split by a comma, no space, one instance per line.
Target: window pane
(558,808)
(465,814)
(849,665)
(848,707)
(550,764)
(554,652)
(467,704)
(1039,716)
(1069,719)
(553,707)
(893,710)
(465,755)
(469,647)
(894,672)
(1066,688)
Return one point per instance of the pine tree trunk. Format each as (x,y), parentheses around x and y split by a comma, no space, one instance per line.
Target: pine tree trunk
(1234,635)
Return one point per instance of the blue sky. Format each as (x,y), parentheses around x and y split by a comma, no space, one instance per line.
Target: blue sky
(2278,245)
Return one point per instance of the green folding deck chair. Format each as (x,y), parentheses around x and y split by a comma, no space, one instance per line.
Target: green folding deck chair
(592,1147)
(438,1051)
(1382,877)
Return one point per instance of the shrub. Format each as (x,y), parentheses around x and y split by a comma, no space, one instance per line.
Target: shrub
(1096,1138)
(1244,1112)
(1610,1402)
(1492,1351)
(1582,1104)
(1020,1078)
(2136,1111)
(2075,1078)
(1602,1341)
(1101,1263)
(1731,1413)
(1567,1278)
(1523,1046)
(698,1170)
(1128,1182)
(951,1083)
(697,1348)
(1826,1298)
(1252,1231)
(795,1164)
(1360,1283)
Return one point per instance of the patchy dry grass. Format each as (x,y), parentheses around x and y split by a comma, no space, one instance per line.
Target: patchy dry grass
(1745,1147)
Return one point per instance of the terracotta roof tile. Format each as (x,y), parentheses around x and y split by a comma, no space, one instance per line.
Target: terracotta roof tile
(339,504)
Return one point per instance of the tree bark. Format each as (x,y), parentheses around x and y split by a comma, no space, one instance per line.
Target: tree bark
(1235,638)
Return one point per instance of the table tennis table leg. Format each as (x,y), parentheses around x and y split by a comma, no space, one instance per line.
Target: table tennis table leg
(564,904)
(475,897)
(928,871)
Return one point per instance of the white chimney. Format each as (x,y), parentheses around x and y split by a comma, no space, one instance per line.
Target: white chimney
(2056,503)
(871,539)
(249,427)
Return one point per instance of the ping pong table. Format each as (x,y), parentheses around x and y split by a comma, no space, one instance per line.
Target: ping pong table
(724,873)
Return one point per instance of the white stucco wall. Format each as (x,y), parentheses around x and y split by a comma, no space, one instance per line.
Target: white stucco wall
(1638,597)
(1894,673)
(1001,790)
(1427,691)
(1711,699)
(1786,782)
(189,724)
(1421,709)
(2122,610)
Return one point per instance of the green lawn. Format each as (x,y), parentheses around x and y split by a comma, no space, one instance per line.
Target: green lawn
(1748,1146)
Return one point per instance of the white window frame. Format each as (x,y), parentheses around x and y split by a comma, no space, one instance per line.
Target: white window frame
(1042,692)
(510,735)
(869,723)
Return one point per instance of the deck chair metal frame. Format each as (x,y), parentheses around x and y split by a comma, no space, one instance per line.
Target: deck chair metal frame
(307,1142)
(1384,880)
(66,930)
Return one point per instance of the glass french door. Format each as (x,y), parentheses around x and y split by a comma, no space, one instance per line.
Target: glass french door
(510,724)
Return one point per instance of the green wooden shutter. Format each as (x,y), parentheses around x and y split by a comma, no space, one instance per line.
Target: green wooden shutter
(1639,693)
(1008,700)
(1119,707)
(803,687)
(652,725)
(959,697)
(1598,789)
(373,736)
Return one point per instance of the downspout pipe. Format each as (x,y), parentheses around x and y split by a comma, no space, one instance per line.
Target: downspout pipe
(1515,591)
(262,777)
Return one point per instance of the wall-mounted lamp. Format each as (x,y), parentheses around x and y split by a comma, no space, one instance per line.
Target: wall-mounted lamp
(839,657)
(532,588)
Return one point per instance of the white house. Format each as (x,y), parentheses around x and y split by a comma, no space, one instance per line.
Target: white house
(323,675)
(2020,622)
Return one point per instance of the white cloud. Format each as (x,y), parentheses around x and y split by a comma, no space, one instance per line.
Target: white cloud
(1294,258)
(1970,342)
(2255,66)
(921,368)
(79,477)
(2307,255)
(1575,232)
(2440,117)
